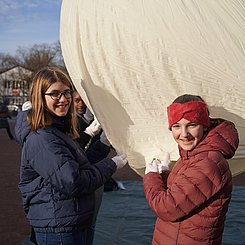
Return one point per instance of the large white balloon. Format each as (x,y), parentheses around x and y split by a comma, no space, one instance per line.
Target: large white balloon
(130,59)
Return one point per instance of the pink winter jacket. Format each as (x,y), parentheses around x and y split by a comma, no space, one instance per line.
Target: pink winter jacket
(192,202)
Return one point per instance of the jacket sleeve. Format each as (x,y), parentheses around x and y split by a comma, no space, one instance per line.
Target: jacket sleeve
(83,140)
(21,127)
(97,151)
(190,190)
(56,164)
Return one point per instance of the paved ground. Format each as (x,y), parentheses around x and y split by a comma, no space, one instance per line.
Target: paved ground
(13,224)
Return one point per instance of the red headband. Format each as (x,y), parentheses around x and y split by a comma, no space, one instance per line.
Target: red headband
(193,111)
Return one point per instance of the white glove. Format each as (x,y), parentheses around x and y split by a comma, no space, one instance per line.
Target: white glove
(93,129)
(104,140)
(164,164)
(26,106)
(152,167)
(88,115)
(120,160)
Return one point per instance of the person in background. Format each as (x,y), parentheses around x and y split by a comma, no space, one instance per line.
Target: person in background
(191,200)
(91,134)
(57,179)
(79,104)
(88,127)
(4,116)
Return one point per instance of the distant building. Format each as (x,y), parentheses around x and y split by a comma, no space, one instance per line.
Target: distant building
(14,86)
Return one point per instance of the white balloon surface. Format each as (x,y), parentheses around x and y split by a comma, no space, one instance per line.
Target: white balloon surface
(130,59)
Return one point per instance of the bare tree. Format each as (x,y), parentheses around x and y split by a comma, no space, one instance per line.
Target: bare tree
(58,60)
(39,56)
(7,61)
(34,57)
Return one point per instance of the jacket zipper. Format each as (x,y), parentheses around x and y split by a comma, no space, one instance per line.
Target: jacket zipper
(177,238)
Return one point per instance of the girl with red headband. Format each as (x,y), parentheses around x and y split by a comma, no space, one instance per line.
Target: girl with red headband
(192,199)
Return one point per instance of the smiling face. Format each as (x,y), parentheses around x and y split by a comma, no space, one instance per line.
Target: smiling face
(58,107)
(187,134)
(79,104)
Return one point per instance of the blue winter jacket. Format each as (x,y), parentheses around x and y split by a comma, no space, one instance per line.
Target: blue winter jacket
(57,181)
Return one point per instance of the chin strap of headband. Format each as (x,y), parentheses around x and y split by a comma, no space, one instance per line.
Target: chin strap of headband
(193,111)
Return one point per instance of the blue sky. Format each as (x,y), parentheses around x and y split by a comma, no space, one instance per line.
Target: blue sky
(27,22)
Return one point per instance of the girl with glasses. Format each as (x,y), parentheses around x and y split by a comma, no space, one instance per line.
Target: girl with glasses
(57,180)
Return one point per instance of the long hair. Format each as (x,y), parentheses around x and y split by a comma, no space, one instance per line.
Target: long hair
(39,116)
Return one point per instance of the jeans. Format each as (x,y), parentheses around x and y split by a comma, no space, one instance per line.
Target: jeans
(62,238)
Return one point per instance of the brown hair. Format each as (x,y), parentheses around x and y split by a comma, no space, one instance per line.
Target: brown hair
(187,98)
(39,116)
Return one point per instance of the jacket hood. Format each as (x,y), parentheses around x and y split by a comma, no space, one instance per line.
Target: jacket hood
(223,138)
(21,127)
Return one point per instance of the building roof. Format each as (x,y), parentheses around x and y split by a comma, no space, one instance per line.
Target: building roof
(16,72)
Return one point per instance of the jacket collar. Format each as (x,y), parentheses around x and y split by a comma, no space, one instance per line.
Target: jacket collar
(59,123)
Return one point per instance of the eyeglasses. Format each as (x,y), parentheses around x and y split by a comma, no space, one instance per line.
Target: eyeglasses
(56,95)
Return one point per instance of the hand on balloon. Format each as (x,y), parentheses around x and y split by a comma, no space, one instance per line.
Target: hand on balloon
(152,167)
(163,165)
(120,160)
(93,129)
(158,166)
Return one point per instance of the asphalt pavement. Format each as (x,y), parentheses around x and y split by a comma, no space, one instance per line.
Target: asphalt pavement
(13,224)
